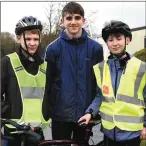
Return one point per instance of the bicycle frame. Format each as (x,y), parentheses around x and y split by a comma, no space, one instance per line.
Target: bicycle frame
(67,142)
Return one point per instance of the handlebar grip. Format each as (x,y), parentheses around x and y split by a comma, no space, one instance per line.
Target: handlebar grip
(13,123)
(3,124)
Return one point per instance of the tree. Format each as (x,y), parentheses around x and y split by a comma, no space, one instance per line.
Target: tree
(53,26)
(8,43)
(47,39)
(53,14)
(89,24)
(141,54)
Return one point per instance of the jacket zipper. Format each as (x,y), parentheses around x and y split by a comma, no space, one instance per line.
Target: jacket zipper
(116,80)
(115,94)
(76,78)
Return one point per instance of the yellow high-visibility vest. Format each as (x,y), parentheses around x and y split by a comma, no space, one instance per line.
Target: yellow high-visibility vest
(32,91)
(126,110)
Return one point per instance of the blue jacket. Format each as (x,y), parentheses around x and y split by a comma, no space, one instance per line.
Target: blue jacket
(116,133)
(71,85)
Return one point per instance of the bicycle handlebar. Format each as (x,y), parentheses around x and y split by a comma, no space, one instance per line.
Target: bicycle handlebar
(16,125)
(21,129)
(3,123)
(31,133)
(92,122)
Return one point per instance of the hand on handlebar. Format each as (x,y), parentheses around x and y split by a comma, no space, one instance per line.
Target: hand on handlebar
(84,119)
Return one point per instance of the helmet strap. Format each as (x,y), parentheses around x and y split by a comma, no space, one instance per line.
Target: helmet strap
(26,52)
(25,42)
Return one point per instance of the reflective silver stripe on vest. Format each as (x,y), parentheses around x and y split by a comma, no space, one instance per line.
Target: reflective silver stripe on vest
(101,66)
(134,100)
(107,99)
(128,119)
(106,117)
(139,78)
(18,68)
(120,118)
(32,92)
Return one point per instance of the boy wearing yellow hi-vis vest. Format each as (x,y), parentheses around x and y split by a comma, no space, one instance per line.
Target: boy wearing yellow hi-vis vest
(122,80)
(23,76)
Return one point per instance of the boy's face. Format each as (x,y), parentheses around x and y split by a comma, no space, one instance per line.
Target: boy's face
(73,23)
(116,43)
(32,41)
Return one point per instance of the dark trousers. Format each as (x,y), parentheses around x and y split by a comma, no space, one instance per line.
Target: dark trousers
(64,131)
(132,142)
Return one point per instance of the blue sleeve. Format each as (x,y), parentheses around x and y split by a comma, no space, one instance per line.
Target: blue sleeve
(101,54)
(50,75)
(144,93)
(95,105)
(49,54)
(98,55)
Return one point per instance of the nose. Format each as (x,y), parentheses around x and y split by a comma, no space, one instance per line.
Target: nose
(114,42)
(73,21)
(32,42)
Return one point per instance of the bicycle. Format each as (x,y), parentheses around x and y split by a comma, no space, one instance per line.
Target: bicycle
(32,136)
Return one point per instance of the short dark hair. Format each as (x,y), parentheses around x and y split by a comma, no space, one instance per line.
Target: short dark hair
(73,8)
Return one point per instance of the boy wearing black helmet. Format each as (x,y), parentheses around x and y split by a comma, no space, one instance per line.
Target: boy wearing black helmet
(23,77)
(121,79)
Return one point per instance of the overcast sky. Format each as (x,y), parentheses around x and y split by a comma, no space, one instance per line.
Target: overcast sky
(133,13)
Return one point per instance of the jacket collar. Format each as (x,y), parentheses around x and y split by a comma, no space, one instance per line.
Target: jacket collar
(121,61)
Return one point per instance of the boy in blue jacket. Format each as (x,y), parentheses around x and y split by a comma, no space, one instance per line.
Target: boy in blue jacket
(70,81)
(122,80)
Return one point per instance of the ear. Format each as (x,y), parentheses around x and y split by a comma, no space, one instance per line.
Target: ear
(84,20)
(127,40)
(18,37)
(61,21)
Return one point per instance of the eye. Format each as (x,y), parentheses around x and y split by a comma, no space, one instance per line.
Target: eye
(78,17)
(36,39)
(27,39)
(119,38)
(69,18)
(110,40)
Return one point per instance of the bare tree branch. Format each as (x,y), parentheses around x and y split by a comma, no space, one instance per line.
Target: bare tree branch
(53,14)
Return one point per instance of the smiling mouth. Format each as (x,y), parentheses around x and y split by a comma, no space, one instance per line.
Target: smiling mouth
(31,48)
(74,27)
(115,49)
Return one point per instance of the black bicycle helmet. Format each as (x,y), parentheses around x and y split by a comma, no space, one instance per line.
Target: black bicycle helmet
(27,23)
(116,27)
